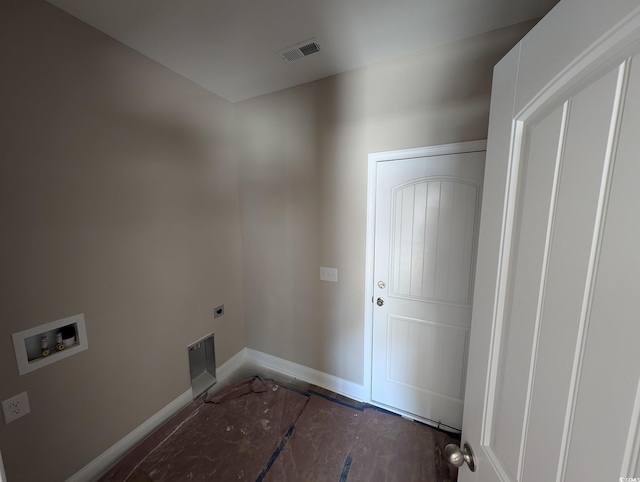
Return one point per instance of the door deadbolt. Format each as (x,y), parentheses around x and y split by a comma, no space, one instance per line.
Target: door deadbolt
(380,301)
(382,285)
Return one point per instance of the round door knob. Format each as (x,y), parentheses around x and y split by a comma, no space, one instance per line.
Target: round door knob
(457,457)
(380,301)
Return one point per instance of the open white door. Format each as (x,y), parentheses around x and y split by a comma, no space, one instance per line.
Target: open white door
(553,389)
(3,476)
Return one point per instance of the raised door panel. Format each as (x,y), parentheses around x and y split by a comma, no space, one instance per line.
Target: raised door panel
(560,180)
(606,379)
(432,247)
(580,172)
(428,355)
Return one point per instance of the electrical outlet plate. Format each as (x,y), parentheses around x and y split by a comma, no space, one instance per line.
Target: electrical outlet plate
(218,311)
(15,407)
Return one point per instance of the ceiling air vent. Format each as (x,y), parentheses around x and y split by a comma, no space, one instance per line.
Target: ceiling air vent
(300,50)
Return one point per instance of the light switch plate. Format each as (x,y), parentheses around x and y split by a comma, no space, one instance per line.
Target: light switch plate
(329,274)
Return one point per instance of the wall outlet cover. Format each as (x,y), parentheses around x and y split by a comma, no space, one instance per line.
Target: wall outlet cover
(15,407)
(218,311)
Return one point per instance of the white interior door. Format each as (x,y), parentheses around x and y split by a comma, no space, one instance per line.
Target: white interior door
(427,217)
(553,389)
(3,476)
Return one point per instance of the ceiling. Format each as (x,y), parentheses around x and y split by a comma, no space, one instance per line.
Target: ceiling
(231,47)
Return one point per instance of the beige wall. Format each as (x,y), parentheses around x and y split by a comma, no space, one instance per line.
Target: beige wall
(118,199)
(303,182)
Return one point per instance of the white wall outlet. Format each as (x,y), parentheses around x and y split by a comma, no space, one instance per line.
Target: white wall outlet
(329,274)
(15,407)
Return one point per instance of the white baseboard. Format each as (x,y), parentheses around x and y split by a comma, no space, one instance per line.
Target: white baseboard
(98,466)
(104,461)
(316,377)
(94,469)
(225,370)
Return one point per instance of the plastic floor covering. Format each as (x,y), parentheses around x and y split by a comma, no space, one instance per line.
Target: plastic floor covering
(259,430)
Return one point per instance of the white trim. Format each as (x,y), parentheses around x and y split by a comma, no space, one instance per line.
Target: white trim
(104,461)
(416,418)
(631,458)
(621,36)
(225,370)
(3,475)
(430,151)
(374,158)
(19,343)
(544,280)
(368,275)
(108,458)
(502,281)
(494,459)
(324,380)
(316,377)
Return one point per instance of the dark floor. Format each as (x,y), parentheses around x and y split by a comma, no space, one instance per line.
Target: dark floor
(263,430)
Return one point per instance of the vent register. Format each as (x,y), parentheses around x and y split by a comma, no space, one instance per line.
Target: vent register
(299,51)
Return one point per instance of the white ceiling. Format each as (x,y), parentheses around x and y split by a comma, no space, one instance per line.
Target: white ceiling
(231,47)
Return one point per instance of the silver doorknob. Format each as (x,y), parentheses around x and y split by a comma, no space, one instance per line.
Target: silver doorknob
(380,301)
(457,457)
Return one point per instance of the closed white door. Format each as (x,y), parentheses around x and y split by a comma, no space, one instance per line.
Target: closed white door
(553,390)
(427,216)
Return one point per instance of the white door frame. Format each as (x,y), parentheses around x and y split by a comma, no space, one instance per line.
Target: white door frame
(374,159)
